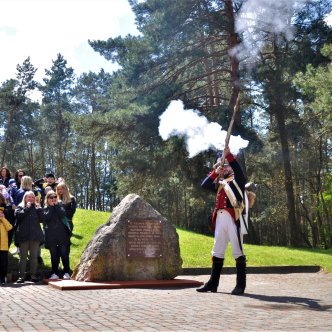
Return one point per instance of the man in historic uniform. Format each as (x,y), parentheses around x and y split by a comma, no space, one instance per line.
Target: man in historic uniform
(228,180)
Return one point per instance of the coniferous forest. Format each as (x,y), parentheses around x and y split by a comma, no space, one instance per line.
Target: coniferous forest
(99,131)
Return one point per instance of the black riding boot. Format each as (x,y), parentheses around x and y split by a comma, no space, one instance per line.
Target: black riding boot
(213,283)
(240,276)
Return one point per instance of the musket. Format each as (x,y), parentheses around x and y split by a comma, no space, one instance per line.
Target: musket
(230,127)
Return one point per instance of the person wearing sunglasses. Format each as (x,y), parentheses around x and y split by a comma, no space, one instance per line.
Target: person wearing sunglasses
(57,237)
(18,177)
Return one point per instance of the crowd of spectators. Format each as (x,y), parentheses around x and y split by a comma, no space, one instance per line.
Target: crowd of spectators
(33,214)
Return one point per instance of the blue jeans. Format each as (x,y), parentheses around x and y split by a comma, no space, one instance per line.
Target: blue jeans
(58,252)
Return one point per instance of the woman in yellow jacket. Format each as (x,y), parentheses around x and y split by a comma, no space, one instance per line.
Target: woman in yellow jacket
(5,227)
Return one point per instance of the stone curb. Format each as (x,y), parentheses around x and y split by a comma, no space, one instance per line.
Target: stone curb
(43,273)
(256,270)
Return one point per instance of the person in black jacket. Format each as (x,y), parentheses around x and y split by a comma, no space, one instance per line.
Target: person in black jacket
(28,234)
(47,182)
(228,181)
(57,235)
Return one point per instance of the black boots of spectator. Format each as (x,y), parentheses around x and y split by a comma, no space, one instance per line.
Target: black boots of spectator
(241,267)
(213,283)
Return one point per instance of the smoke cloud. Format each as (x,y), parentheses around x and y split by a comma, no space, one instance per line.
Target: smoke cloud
(199,134)
(258,17)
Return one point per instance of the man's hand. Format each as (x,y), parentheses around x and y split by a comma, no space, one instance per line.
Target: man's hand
(227,151)
(219,169)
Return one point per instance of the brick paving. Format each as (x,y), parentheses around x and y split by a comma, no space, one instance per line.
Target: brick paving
(273,302)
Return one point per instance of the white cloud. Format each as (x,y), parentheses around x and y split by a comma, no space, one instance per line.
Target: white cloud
(43,28)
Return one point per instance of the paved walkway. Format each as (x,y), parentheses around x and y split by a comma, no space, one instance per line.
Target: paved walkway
(273,302)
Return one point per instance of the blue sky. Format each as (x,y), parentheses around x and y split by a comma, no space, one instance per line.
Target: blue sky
(43,28)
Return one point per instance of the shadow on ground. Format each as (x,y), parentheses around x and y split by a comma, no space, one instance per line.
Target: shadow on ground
(287,302)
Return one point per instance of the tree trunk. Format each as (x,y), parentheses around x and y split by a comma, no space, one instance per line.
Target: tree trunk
(278,110)
(92,198)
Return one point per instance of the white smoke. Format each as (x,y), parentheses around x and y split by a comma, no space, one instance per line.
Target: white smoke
(258,17)
(199,134)
(328,19)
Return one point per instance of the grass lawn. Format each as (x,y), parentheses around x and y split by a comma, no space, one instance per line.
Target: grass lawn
(196,248)
(196,252)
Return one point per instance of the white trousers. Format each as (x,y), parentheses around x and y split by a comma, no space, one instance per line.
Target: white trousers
(226,231)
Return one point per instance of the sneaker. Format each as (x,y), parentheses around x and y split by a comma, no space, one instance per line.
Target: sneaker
(16,251)
(54,277)
(66,276)
(20,281)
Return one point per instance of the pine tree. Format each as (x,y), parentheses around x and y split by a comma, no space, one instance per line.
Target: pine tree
(56,105)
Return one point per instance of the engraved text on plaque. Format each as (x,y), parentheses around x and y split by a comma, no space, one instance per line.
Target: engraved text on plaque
(144,238)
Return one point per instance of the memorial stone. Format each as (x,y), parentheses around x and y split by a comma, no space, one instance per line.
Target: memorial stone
(137,243)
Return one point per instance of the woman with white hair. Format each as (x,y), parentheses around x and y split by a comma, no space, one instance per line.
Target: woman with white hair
(28,234)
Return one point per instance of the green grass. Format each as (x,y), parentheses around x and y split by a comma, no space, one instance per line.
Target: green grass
(86,223)
(196,252)
(196,248)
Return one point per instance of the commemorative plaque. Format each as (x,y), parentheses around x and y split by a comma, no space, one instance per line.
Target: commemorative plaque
(144,238)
